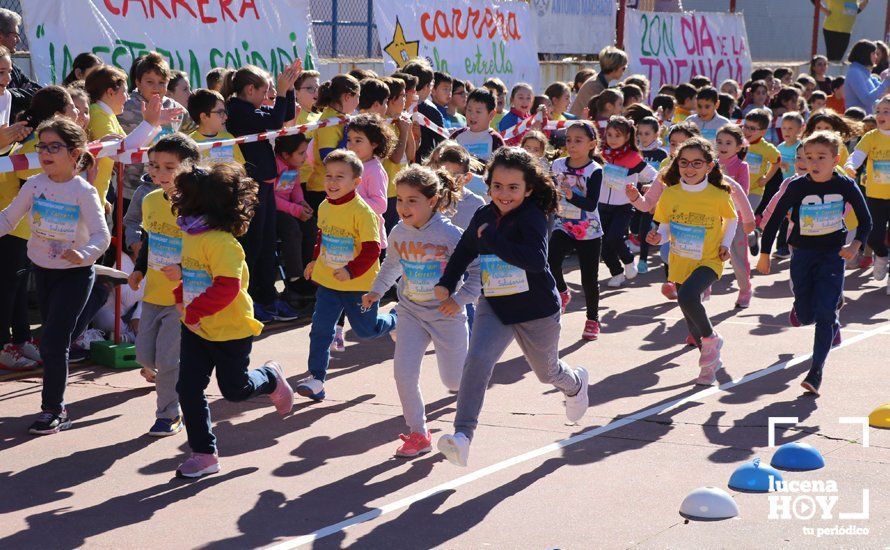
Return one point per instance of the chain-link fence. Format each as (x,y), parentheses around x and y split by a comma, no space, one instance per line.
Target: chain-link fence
(344,28)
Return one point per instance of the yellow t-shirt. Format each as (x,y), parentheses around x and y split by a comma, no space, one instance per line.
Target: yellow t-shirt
(164,247)
(843,15)
(306,116)
(9,189)
(393,168)
(496,122)
(760,158)
(101,125)
(328,137)
(876,145)
(344,227)
(228,153)
(696,228)
(680,114)
(206,256)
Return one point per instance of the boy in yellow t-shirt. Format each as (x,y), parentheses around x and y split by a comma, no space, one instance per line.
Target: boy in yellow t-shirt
(208,109)
(218,326)
(344,268)
(763,158)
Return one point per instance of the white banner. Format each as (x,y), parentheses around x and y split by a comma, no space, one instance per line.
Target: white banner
(670,48)
(574,26)
(469,39)
(194,35)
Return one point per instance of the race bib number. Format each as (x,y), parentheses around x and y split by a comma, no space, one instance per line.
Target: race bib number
(687,241)
(755,162)
(480,150)
(821,219)
(225,153)
(163,251)
(194,283)
(421,278)
(615,177)
(54,221)
(337,251)
(500,278)
(287,180)
(881,174)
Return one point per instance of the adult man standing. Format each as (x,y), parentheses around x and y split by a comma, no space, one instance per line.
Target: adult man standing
(21,87)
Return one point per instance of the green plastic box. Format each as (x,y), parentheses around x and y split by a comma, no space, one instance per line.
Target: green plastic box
(115,356)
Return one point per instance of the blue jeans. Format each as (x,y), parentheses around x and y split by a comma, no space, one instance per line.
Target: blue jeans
(818,281)
(329,304)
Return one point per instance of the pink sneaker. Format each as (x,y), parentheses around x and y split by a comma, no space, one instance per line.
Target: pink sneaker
(591,330)
(283,395)
(708,375)
(564,298)
(669,290)
(415,444)
(744,300)
(690,341)
(710,351)
(198,465)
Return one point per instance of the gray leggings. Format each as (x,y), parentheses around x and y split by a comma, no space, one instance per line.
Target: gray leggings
(689,297)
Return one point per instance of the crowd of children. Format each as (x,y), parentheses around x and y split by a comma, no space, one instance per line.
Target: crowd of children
(464,221)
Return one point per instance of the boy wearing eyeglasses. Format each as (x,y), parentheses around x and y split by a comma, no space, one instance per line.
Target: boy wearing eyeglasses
(763,158)
(208,109)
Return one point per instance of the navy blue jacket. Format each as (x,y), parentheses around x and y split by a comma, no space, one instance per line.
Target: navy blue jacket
(520,239)
(245,119)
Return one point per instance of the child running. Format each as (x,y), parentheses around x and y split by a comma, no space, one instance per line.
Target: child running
(519,293)
(578,224)
(420,246)
(818,234)
(68,235)
(696,215)
(214,208)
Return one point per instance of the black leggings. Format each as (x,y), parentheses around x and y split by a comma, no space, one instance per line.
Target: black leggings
(589,259)
(689,295)
(880,217)
(616,220)
(14,326)
(835,44)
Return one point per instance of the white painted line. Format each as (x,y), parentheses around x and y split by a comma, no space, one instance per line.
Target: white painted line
(547,449)
(862,421)
(771,426)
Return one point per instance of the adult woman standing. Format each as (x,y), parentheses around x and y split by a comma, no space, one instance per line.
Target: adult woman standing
(838,25)
(862,88)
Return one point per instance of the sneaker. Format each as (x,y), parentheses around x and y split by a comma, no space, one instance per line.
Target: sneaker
(632,246)
(198,465)
(634,238)
(283,395)
(708,375)
(793,320)
(782,254)
(852,263)
(86,339)
(339,344)
(105,274)
(690,341)
(880,270)
(165,427)
(837,339)
(591,330)
(565,297)
(312,388)
(415,444)
(744,300)
(630,271)
(31,350)
(812,382)
(669,291)
(616,281)
(642,267)
(392,331)
(754,242)
(77,355)
(456,448)
(50,423)
(576,405)
(710,350)
(282,311)
(706,295)
(866,262)
(263,314)
(12,358)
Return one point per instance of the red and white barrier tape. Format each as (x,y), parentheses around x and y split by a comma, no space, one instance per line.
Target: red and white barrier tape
(429,124)
(522,127)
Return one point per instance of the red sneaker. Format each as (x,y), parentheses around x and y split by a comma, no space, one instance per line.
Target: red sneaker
(415,444)
(591,330)
(690,341)
(669,290)
(564,298)
(634,239)
(865,262)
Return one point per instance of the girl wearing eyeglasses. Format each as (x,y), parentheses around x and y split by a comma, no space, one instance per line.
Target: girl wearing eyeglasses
(68,234)
(696,215)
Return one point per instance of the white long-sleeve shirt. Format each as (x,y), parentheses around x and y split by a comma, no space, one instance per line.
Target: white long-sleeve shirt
(67,215)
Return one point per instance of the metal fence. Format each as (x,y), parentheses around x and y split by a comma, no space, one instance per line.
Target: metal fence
(344,28)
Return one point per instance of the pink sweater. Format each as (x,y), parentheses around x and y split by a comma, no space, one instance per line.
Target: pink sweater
(737,169)
(647,202)
(288,191)
(372,190)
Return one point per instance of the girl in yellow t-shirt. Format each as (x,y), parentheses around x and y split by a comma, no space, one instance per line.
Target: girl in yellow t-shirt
(214,208)
(697,216)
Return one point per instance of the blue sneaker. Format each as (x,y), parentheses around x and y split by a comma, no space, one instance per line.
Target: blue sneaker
(312,388)
(262,314)
(282,311)
(164,427)
(642,267)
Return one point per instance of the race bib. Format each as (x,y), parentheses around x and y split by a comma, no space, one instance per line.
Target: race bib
(337,251)
(421,278)
(194,283)
(225,153)
(614,177)
(687,241)
(163,251)
(851,8)
(821,219)
(755,162)
(54,221)
(500,278)
(286,180)
(710,134)
(881,174)
(480,150)
(166,130)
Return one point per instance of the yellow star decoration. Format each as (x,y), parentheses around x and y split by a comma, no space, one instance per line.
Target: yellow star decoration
(400,50)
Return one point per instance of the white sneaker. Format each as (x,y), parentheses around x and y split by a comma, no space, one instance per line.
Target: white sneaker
(630,270)
(12,358)
(312,388)
(616,281)
(880,269)
(89,336)
(634,249)
(456,448)
(576,405)
(30,350)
